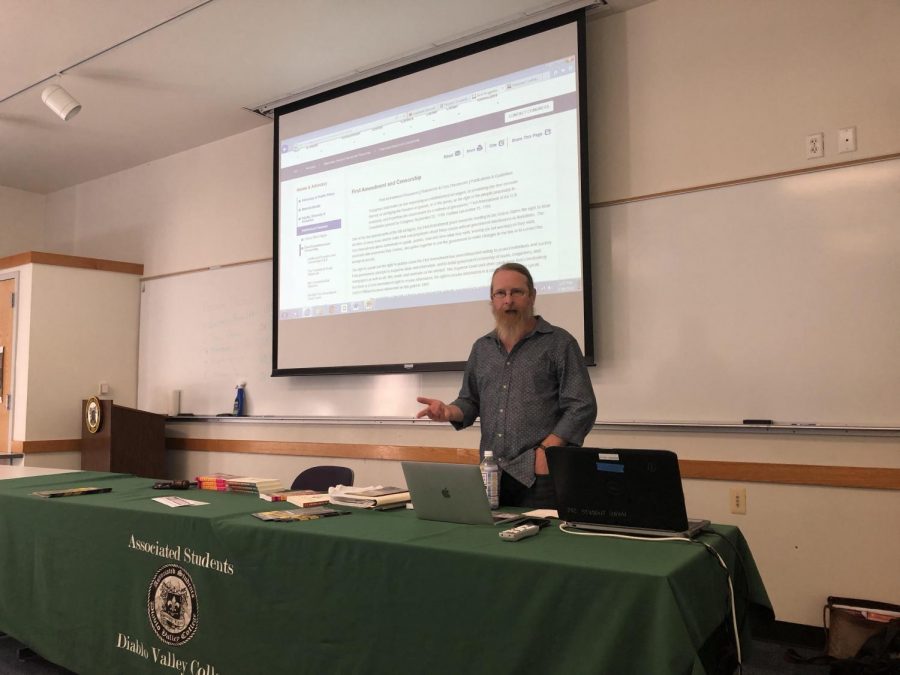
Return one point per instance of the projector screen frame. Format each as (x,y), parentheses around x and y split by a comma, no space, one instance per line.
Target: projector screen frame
(576,17)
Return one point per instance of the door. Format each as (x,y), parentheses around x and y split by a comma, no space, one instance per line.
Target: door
(7,288)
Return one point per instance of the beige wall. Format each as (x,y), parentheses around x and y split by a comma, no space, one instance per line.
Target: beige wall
(693,92)
(21,221)
(207,206)
(682,93)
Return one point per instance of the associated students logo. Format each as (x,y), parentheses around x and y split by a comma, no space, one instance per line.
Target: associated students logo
(172,605)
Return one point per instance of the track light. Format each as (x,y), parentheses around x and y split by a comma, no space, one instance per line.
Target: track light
(61,102)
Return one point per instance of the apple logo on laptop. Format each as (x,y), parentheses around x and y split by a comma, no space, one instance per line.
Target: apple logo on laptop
(446,493)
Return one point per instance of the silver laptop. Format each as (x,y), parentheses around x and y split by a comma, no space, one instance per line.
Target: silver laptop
(621,491)
(452,493)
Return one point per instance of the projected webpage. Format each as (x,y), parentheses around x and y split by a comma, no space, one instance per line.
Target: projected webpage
(415,206)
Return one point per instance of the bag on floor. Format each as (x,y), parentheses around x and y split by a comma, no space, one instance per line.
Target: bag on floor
(879,655)
(849,622)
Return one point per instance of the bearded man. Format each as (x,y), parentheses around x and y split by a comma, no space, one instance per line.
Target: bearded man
(527,381)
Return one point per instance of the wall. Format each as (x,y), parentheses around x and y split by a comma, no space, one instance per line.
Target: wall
(683,93)
(202,207)
(689,93)
(21,221)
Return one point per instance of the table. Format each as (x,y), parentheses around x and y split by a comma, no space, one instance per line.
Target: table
(371,592)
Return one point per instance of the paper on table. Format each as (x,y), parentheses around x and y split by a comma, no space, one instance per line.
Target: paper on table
(542,513)
(178,501)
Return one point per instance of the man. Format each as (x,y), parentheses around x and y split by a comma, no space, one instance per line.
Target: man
(527,381)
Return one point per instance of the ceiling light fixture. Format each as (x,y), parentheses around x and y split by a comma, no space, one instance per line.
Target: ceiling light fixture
(61,102)
(57,93)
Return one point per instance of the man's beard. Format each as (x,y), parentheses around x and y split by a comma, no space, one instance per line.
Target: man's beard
(511,326)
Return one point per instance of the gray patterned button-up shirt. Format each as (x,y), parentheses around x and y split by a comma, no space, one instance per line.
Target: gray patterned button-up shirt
(541,387)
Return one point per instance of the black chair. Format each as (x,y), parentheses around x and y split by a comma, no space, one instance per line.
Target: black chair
(320,478)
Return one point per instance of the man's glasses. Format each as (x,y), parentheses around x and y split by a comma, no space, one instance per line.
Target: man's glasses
(513,292)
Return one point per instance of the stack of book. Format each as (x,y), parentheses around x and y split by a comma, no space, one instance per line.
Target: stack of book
(254,486)
(215,481)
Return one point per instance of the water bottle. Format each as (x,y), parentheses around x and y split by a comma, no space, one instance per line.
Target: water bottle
(239,400)
(490,474)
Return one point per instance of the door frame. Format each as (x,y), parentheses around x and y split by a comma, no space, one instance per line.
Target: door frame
(4,276)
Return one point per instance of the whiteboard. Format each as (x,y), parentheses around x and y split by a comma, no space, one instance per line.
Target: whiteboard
(203,332)
(777,300)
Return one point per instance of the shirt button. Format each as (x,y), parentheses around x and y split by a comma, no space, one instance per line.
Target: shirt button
(499,435)
(501,409)
(504,386)
(507,363)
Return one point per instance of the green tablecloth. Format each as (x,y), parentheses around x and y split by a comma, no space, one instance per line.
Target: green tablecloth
(372,592)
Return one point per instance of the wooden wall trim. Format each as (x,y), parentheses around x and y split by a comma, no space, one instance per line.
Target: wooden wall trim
(345,450)
(877,478)
(37,447)
(60,260)
(793,474)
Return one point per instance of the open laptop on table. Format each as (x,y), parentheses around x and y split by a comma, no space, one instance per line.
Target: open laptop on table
(634,492)
(452,493)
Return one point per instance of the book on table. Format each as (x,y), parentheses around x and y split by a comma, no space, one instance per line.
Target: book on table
(300,498)
(254,485)
(372,498)
(305,498)
(215,481)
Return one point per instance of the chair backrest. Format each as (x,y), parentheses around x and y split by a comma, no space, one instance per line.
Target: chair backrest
(320,478)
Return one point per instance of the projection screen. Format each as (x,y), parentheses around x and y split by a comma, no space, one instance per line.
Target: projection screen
(397,196)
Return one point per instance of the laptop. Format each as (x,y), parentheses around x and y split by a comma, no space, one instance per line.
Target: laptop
(634,492)
(452,493)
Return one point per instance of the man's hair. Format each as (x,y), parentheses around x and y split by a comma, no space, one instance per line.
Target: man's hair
(514,267)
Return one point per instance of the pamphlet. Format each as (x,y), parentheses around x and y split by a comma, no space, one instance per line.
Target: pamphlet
(542,513)
(312,513)
(72,492)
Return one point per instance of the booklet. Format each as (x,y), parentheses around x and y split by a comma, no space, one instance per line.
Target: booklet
(313,513)
(72,492)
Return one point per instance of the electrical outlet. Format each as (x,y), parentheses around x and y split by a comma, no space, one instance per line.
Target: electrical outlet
(737,500)
(847,139)
(815,146)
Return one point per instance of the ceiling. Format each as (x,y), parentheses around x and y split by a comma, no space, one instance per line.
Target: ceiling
(156,77)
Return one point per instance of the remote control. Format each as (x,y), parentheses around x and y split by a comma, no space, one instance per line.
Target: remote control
(520,532)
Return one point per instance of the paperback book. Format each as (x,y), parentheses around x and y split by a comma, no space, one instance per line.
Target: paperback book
(371,498)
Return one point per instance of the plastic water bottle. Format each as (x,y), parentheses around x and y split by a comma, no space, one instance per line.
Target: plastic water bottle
(490,474)
(239,399)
